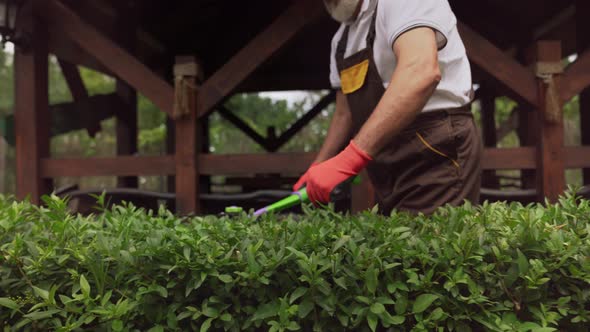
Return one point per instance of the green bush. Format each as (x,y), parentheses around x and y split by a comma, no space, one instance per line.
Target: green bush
(497,267)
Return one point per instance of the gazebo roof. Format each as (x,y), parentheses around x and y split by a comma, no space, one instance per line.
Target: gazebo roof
(215,30)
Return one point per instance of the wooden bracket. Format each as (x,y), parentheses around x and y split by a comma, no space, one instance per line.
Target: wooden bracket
(514,76)
(57,15)
(219,86)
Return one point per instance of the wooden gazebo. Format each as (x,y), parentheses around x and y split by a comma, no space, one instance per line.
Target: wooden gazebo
(187,57)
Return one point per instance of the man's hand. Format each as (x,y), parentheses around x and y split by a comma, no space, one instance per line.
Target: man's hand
(324,177)
(303,179)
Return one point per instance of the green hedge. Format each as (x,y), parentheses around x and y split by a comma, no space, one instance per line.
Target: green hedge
(498,267)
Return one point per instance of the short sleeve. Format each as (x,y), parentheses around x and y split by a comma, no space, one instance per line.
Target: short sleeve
(334,73)
(396,17)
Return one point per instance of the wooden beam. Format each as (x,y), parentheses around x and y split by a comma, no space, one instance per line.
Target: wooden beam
(577,157)
(560,19)
(583,45)
(74,80)
(109,54)
(500,66)
(576,77)
(126,126)
(230,117)
(249,164)
(115,166)
(264,46)
(188,139)
(68,51)
(550,146)
(32,116)
(280,163)
(304,121)
(78,91)
(509,159)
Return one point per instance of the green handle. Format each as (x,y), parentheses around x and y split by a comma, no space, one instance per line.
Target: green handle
(301,197)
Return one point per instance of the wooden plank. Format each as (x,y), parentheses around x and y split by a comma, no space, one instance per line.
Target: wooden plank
(188,144)
(260,49)
(509,159)
(500,66)
(250,164)
(109,54)
(114,166)
(577,157)
(304,121)
(550,155)
(32,116)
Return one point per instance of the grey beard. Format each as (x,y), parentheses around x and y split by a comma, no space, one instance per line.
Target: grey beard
(344,11)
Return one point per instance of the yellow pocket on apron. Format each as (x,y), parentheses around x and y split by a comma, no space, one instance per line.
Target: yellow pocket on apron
(353,78)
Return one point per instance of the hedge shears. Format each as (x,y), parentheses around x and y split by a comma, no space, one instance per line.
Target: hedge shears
(300,197)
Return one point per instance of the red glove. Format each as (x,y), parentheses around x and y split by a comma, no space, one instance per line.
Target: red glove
(324,177)
(303,179)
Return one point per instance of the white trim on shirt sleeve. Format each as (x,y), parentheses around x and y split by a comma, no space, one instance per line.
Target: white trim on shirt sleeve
(441,37)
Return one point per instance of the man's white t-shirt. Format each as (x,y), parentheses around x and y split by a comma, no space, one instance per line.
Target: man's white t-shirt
(394,17)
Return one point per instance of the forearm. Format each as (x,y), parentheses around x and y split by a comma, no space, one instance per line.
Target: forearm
(339,132)
(412,84)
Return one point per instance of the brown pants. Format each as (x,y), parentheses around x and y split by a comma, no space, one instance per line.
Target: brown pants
(434,162)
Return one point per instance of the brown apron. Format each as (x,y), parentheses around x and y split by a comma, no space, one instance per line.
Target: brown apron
(433,162)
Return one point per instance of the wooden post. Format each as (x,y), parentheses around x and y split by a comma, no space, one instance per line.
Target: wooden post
(32,118)
(550,154)
(127,133)
(490,139)
(528,123)
(205,140)
(170,150)
(583,44)
(187,132)
(126,128)
(528,136)
(3,152)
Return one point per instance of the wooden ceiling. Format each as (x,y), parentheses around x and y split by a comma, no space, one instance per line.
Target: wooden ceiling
(215,30)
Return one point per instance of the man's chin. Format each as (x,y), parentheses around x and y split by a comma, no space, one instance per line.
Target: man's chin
(343,11)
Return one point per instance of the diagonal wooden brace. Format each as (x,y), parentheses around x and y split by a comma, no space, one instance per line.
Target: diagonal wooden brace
(57,15)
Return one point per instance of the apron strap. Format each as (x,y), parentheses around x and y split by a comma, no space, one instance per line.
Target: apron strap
(343,43)
(372,30)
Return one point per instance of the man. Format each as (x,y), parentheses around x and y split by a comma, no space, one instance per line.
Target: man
(404,97)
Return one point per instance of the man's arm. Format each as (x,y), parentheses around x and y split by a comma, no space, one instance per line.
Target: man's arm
(338,135)
(339,131)
(414,80)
